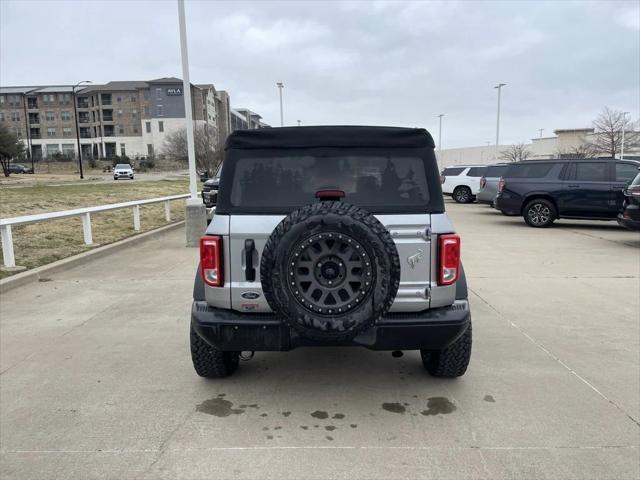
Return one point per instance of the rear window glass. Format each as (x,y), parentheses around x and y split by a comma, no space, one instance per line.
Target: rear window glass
(292,181)
(529,170)
(625,172)
(476,171)
(495,171)
(590,172)
(636,181)
(452,172)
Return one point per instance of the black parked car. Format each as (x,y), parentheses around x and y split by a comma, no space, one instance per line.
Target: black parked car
(543,191)
(630,215)
(210,190)
(19,168)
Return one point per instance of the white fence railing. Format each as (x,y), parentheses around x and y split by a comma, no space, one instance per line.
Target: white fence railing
(84,214)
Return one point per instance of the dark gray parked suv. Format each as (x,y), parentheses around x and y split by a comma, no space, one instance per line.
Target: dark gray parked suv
(330,236)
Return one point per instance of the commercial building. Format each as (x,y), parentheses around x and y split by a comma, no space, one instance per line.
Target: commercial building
(565,142)
(130,118)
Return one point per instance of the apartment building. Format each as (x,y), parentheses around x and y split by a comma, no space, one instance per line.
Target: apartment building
(245,119)
(130,118)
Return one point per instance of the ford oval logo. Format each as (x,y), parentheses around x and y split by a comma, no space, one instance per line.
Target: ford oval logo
(250,295)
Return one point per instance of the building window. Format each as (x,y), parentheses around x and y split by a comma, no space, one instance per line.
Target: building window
(65,116)
(146,111)
(92,97)
(159,110)
(119,113)
(52,149)
(1,117)
(15,116)
(49,116)
(121,130)
(134,99)
(161,127)
(135,130)
(159,93)
(51,132)
(123,150)
(150,149)
(148,127)
(134,113)
(65,98)
(119,99)
(66,132)
(69,150)
(145,94)
(1,99)
(49,99)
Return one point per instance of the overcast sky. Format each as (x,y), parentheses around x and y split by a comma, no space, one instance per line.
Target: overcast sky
(387,63)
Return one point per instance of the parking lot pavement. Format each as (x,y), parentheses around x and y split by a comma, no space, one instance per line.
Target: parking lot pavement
(97,380)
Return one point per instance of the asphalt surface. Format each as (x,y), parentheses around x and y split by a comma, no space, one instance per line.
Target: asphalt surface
(97,379)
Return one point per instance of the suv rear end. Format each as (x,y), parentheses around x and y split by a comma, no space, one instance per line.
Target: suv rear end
(489,183)
(630,215)
(330,236)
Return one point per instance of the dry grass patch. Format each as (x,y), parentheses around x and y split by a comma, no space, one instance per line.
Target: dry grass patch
(44,242)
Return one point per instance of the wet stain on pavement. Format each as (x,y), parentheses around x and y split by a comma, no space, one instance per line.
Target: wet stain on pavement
(319,414)
(222,394)
(394,407)
(330,428)
(42,280)
(489,398)
(438,405)
(270,437)
(278,428)
(329,438)
(354,425)
(263,415)
(265,429)
(338,416)
(304,427)
(286,414)
(218,407)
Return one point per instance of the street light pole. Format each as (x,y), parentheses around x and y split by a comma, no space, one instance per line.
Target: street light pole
(280,86)
(440,134)
(75,112)
(624,124)
(299,123)
(541,130)
(499,87)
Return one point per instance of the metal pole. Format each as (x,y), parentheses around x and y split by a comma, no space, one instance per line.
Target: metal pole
(280,86)
(624,124)
(75,113)
(193,187)
(299,123)
(440,134)
(26,124)
(540,130)
(499,87)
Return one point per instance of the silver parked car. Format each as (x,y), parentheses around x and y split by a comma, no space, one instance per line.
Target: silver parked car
(330,236)
(489,183)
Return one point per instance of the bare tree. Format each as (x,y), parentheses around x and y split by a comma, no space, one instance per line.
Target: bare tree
(10,148)
(208,150)
(607,139)
(515,153)
(585,150)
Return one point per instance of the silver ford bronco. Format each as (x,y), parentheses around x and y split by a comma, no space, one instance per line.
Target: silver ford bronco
(330,236)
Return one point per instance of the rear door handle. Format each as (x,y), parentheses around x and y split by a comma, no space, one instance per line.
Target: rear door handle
(249,271)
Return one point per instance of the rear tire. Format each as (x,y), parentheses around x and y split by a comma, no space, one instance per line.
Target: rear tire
(539,213)
(451,361)
(208,361)
(462,195)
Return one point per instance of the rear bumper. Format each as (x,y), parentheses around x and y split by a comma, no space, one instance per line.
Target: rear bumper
(233,331)
(508,203)
(628,223)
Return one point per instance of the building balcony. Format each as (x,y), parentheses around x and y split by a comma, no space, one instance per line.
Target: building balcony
(107,118)
(35,136)
(83,105)
(32,105)
(83,120)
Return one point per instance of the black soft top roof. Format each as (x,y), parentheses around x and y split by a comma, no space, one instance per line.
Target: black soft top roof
(330,136)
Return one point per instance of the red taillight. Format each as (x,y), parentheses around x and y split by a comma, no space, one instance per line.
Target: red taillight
(633,191)
(501,184)
(211,260)
(483,182)
(449,249)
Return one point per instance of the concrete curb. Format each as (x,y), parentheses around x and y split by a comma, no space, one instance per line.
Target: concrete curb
(45,271)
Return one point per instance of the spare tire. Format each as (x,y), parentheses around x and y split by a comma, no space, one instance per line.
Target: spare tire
(330,270)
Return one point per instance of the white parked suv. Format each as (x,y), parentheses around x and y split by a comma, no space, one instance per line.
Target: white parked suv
(123,170)
(462,182)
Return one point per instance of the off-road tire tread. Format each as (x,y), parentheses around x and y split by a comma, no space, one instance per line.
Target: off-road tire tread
(390,278)
(210,362)
(451,361)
